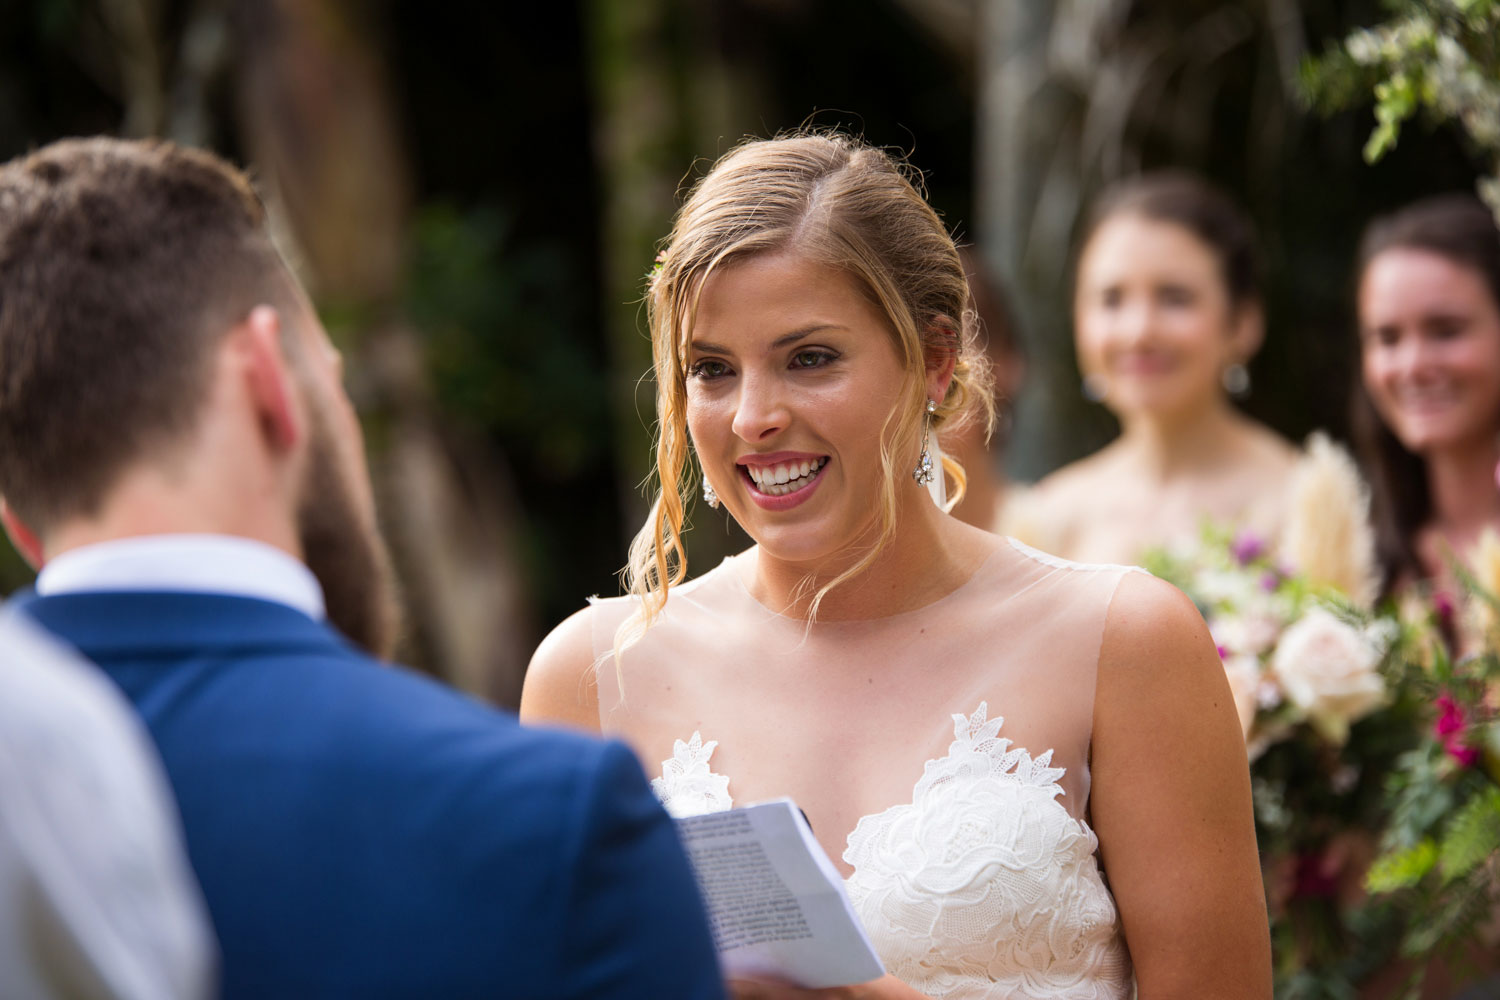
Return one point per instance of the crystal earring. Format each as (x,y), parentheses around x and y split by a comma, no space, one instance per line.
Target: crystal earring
(709,496)
(923,473)
(1236,379)
(1095,387)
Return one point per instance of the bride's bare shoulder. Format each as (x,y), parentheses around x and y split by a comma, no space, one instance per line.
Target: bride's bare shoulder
(561,686)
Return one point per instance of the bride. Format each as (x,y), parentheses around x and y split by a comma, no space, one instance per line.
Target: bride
(1029,770)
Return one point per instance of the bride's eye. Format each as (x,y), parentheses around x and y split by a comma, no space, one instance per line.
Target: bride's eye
(812,358)
(708,368)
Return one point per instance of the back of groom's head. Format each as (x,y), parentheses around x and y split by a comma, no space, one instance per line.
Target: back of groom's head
(161,371)
(120,262)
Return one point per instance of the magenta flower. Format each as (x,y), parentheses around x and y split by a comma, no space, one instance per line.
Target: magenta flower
(1442,603)
(1247,547)
(1466,756)
(1450,717)
(1449,728)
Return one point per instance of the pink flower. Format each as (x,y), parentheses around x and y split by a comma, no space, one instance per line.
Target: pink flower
(1442,603)
(1466,756)
(1451,717)
(1449,728)
(1316,877)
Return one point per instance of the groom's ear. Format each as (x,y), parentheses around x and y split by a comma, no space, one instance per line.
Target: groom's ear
(269,377)
(22,537)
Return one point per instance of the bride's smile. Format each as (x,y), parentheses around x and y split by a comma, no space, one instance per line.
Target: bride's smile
(782,480)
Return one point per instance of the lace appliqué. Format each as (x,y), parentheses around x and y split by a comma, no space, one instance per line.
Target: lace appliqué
(984,885)
(687,787)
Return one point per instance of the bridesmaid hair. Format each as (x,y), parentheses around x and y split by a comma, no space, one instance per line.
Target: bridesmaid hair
(838,202)
(1190,202)
(1461,229)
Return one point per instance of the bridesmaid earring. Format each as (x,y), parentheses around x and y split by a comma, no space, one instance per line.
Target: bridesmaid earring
(709,496)
(1095,387)
(1236,379)
(923,473)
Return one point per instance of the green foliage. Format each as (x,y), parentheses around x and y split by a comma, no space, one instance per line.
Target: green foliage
(1473,835)
(1403,869)
(1441,57)
(503,336)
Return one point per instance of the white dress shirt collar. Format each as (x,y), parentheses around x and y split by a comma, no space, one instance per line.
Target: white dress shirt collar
(208,564)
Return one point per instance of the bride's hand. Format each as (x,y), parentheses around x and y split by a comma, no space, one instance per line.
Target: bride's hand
(884,988)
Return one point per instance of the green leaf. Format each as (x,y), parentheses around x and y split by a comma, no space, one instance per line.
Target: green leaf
(1402,869)
(1472,835)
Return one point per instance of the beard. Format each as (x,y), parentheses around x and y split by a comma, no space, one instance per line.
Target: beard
(344,550)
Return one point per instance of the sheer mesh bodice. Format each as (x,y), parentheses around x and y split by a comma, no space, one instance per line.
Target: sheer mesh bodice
(942,754)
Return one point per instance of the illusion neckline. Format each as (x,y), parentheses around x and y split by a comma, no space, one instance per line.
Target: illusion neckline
(736,575)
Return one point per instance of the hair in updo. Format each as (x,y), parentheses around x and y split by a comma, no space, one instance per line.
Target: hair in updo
(838,202)
(1461,229)
(1192,203)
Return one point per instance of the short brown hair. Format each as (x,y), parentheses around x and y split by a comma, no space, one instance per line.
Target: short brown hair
(121,262)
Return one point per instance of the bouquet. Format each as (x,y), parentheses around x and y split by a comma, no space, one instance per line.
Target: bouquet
(1318,679)
(1439,862)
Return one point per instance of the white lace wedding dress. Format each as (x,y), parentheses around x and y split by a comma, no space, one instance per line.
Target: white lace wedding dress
(975,873)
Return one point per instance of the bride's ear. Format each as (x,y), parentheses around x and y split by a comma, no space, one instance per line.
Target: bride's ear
(940,343)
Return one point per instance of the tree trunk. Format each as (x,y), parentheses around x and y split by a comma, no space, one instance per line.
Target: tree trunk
(322,128)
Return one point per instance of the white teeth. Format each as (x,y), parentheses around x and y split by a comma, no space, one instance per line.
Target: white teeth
(779,480)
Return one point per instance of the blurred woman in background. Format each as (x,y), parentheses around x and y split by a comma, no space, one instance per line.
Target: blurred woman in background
(1427,408)
(1167,315)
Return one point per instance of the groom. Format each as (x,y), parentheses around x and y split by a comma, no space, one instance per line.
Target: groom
(179,458)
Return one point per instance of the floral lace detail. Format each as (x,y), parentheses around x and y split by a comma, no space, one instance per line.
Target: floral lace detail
(687,787)
(984,885)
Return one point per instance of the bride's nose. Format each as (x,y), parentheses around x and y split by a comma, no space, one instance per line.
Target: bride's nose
(761,408)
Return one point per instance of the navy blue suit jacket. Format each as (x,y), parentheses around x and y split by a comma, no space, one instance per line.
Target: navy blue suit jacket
(362,831)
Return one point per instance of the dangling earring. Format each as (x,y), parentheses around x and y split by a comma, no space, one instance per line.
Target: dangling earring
(709,496)
(1236,380)
(1094,387)
(923,473)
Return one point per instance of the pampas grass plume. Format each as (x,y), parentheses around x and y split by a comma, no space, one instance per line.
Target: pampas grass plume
(1328,536)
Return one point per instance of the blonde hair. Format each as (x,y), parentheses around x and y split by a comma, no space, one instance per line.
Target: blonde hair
(837,202)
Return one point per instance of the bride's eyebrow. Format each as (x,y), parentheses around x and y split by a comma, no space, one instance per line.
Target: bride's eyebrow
(791,338)
(785,340)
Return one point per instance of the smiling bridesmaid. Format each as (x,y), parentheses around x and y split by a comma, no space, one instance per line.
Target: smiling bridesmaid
(1427,410)
(978,733)
(1167,315)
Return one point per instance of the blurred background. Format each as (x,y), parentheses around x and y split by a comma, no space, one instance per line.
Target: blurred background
(474,193)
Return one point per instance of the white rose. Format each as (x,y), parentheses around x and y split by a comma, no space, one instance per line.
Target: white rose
(1328,669)
(1254,632)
